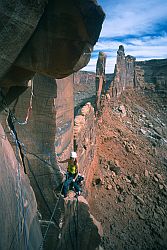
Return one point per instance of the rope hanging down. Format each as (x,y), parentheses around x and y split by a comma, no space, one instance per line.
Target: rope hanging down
(21,227)
(10,121)
(13,130)
(40,190)
(50,221)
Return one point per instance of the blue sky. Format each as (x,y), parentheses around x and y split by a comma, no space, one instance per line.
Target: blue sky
(139,25)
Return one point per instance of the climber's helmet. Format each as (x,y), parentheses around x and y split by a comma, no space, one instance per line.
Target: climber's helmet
(73,155)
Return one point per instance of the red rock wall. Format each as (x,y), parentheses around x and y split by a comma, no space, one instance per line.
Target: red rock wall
(49,131)
(64,106)
(85,138)
(100,78)
(19,224)
(80,230)
(124,74)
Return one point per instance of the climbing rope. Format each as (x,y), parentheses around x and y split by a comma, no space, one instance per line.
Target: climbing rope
(10,121)
(51,218)
(39,149)
(19,150)
(77,225)
(20,204)
(25,233)
(75,214)
(70,234)
(40,190)
(15,137)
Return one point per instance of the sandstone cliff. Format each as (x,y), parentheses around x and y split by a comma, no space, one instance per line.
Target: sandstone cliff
(84,89)
(54,38)
(20,227)
(153,72)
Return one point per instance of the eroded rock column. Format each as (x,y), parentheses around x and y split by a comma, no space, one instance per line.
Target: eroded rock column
(100,78)
(120,72)
(130,71)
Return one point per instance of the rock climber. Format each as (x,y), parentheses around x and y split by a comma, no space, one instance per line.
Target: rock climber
(71,175)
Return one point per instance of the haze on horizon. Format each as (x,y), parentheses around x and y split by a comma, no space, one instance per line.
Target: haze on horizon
(140,26)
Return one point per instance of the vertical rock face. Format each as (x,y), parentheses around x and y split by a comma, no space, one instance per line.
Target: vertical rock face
(153,72)
(161,81)
(45,118)
(64,106)
(84,89)
(139,77)
(120,70)
(54,38)
(48,131)
(85,138)
(19,227)
(124,73)
(79,230)
(100,77)
(130,71)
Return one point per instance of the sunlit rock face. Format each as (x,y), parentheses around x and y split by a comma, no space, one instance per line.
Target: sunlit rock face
(100,77)
(64,107)
(18,217)
(124,73)
(45,118)
(85,138)
(44,124)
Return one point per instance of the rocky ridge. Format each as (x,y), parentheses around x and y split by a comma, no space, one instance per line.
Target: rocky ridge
(129,188)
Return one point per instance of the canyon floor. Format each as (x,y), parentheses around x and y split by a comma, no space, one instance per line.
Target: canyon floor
(129,190)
